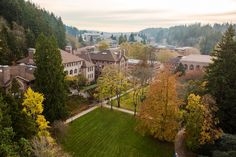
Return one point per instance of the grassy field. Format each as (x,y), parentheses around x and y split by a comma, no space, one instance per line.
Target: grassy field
(105,133)
(127,101)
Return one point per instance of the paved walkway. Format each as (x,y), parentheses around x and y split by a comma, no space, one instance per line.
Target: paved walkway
(80,114)
(180,146)
(119,109)
(97,105)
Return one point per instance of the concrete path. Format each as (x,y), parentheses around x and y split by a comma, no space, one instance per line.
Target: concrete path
(80,114)
(180,146)
(119,109)
(97,105)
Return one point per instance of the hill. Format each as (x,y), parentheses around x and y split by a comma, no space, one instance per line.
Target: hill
(200,36)
(21,22)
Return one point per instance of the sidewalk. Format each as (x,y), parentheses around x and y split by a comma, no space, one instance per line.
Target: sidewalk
(80,114)
(119,109)
(97,105)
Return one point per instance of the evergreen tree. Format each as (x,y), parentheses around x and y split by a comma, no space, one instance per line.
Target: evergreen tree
(4,50)
(49,77)
(221,76)
(180,69)
(131,38)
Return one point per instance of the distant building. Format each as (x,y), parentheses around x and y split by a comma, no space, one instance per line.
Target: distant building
(102,58)
(196,62)
(94,36)
(22,73)
(73,65)
(132,63)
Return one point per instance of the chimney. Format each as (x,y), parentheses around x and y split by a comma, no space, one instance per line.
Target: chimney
(68,49)
(5,75)
(22,70)
(31,52)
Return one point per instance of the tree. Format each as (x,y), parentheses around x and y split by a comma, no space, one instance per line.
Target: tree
(131,38)
(136,93)
(4,50)
(9,144)
(50,77)
(111,82)
(103,45)
(160,111)
(221,78)
(200,121)
(33,107)
(180,69)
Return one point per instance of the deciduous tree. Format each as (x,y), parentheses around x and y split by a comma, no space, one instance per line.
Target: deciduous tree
(200,121)
(160,111)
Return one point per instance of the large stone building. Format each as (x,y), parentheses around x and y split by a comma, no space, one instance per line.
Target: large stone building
(73,65)
(114,57)
(23,72)
(196,62)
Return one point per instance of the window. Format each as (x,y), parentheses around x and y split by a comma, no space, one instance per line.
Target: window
(186,66)
(71,72)
(191,67)
(75,71)
(66,72)
(198,67)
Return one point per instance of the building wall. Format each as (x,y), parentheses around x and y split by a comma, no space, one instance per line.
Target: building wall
(89,73)
(194,66)
(73,69)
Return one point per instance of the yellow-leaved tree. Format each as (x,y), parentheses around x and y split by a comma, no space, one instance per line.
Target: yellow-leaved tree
(33,106)
(160,111)
(200,121)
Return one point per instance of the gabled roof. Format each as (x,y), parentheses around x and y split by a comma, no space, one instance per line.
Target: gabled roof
(65,56)
(87,64)
(68,57)
(107,55)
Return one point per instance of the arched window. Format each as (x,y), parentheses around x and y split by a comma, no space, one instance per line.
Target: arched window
(75,71)
(186,66)
(66,72)
(198,67)
(191,67)
(71,72)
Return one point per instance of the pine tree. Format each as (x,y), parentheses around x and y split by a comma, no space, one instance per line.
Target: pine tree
(4,50)
(221,76)
(49,77)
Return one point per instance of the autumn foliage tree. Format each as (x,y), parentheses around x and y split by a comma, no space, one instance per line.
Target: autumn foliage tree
(33,106)
(200,121)
(160,111)
(111,82)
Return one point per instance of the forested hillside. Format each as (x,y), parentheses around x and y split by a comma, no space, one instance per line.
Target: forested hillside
(200,36)
(21,22)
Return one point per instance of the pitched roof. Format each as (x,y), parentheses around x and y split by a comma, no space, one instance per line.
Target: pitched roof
(197,58)
(65,56)
(107,55)
(68,57)
(87,64)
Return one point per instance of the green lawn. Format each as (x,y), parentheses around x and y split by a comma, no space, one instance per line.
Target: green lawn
(105,133)
(127,101)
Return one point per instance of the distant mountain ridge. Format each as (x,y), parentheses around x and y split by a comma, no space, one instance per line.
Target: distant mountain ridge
(203,37)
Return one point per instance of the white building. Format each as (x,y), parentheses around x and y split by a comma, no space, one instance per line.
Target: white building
(196,62)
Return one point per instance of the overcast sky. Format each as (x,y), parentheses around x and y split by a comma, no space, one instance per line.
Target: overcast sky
(134,15)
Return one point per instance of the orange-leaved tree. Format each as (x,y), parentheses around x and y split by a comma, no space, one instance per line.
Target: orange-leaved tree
(159,114)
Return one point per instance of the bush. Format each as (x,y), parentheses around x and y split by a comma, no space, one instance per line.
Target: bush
(59,130)
(42,147)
